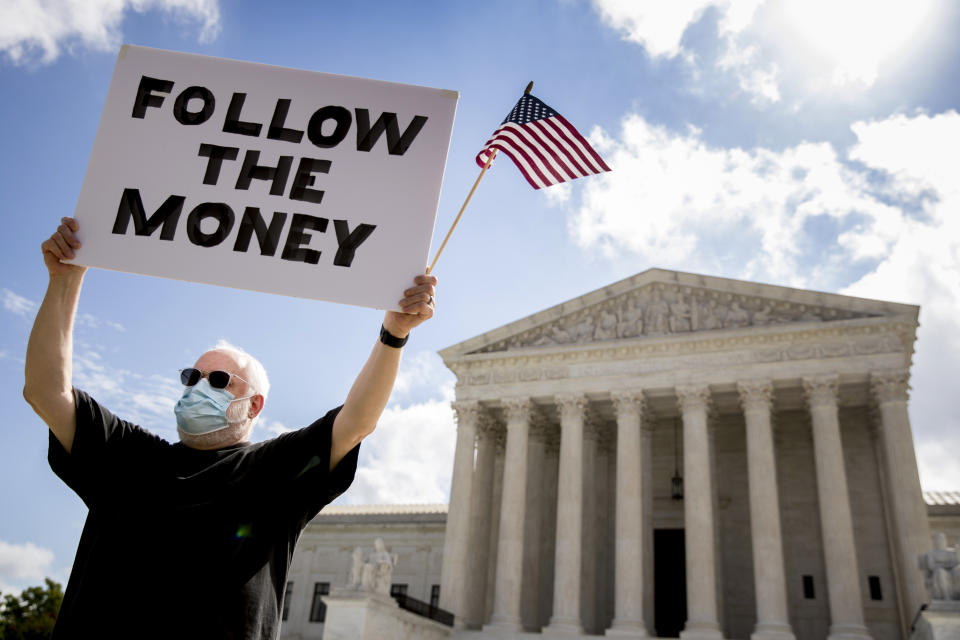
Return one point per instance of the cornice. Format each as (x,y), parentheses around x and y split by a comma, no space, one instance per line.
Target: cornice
(854,338)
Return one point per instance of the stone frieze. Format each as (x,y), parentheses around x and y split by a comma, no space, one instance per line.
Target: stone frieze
(662,309)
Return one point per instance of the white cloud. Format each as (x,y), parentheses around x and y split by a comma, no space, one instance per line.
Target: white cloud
(266,428)
(409,458)
(38,30)
(422,375)
(17,304)
(877,221)
(144,400)
(657,26)
(93,322)
(23,565)
(813,45)
(677,202)
(939,470)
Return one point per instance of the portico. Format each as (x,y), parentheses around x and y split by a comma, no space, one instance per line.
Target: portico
(785,412)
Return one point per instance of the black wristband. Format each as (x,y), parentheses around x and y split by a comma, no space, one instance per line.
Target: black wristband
(391,340)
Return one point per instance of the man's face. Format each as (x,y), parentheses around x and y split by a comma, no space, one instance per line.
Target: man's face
(240,413)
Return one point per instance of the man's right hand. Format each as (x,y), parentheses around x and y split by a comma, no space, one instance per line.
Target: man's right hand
(61,246)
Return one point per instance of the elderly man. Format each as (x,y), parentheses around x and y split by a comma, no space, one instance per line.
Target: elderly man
(193,539)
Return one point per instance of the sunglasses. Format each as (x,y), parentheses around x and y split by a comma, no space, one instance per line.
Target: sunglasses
(217,379)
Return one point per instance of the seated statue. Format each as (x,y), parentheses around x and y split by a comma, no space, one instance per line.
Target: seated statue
(942,568)
(376,572)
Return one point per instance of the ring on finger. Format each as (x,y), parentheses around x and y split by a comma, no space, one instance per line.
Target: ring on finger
(430,301)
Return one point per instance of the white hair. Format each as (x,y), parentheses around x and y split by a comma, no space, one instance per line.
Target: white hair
(253,371)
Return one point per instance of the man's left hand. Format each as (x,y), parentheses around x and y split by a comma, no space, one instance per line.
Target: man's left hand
(418,305)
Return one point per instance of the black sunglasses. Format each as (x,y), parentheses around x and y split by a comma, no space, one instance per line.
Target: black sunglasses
(217,379)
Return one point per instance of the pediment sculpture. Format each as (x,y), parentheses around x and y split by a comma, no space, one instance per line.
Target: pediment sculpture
(663,309)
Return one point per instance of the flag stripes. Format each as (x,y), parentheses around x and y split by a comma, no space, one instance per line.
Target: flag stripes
(545,147)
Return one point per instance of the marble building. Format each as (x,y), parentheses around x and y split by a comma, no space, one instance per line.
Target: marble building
(672,454)
(782,412)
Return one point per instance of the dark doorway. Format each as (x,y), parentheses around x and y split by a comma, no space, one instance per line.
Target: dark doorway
(669,582)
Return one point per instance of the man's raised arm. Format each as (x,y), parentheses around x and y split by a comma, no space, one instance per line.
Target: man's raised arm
(48,372)
(371,390)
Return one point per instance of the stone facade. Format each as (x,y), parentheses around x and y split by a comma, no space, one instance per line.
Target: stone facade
(785,414)
(324,555)
(337,528)
(791,411)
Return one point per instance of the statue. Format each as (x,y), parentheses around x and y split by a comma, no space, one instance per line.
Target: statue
(376,573)
(708,316)
(942,570)
(584,330)
(657,312)
(607,328)
(679,316)
(762,317)
(737,317)
(630,324)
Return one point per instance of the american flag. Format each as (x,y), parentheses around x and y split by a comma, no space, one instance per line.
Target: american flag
(545,147)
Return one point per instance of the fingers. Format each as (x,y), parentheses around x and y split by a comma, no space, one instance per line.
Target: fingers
(419,298)
(64,241)
(420,303)
(426,278)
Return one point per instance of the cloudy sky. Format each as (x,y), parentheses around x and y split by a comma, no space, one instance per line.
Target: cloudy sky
(807,143)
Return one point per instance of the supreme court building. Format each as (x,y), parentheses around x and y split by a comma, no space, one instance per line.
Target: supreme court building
(684,454)
(673,454)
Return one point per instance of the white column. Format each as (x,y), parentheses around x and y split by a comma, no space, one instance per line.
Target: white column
(509,576)
(836,522)
(646,472)
(629,568)
(533,528)
(455,561)
(702,620)
(773,621)
(567,567)
(589,524)
(908,510)
(481,507)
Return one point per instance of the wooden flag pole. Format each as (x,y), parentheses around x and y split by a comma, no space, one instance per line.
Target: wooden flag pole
(465,202)
(469,195)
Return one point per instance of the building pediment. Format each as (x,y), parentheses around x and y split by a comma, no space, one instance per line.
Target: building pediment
(659,303)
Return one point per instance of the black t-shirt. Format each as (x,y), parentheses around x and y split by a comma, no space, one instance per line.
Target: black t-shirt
(180,543)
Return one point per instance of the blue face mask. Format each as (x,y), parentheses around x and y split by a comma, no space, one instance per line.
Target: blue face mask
(203,409)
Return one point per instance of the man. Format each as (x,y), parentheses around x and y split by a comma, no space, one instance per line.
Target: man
(193,539)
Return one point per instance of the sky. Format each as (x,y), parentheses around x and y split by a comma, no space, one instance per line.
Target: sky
(804,143)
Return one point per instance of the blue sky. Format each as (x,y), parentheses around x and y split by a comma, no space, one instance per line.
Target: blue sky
(784,141)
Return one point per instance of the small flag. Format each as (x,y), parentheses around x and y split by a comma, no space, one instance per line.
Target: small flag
(545,147)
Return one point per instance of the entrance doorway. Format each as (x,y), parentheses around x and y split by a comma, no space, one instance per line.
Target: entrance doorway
(669,582)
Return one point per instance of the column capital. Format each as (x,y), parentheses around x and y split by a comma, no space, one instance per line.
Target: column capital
(593,426)
(693,397)
(571,405)
(755,394)
(628,404)
(466,411)
(488,426)
(517,410)
(539,426)
(890,386)
(821,390)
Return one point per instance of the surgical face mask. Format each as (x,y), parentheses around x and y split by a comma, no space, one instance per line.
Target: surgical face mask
(203,409)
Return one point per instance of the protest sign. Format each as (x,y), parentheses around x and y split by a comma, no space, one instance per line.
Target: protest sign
(264,178)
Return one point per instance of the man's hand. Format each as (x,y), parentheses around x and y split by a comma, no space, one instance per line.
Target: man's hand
(61,246)
(418,305)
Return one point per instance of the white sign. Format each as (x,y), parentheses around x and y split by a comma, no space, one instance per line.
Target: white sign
(265,178)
